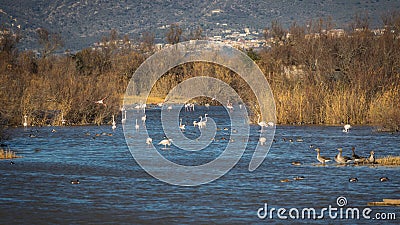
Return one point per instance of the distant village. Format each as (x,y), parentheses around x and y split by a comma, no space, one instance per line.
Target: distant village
(240,39)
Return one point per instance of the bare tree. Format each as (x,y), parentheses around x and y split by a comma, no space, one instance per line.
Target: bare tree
(49,41)
(174,34)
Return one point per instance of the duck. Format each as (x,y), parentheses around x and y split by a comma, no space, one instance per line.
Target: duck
(75,182)
(356,157)
(298,178)
(371,158)
(296,163)
(285,180)
(384,179)
(342,159)
(320,158)
(12,163)
(353,179)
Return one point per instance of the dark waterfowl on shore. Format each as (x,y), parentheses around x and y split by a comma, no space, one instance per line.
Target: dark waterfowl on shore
(355,157)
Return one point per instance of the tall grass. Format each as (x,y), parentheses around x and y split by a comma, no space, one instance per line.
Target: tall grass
(325,79)
(7,154)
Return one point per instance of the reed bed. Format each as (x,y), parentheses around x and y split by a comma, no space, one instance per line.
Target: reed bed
(389,161)
(8,154)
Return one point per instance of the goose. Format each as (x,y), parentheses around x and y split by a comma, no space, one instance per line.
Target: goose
(320,158)
(371,158)
(342,159)
(356,157)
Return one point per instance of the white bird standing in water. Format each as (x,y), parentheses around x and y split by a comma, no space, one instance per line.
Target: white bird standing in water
(262,140)
(229,105)
(123,120)
(262,124)
(144,119)
(136,125)
(62,119)
(114,124)
(165,142)
(346,128)
(181,126)
(25,121)
(149,141)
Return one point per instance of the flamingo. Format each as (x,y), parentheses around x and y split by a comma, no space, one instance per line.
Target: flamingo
(62,119)
(136,125)
(123,120)
(346,128)
(201,123)
(181,126)
(262,124)
(262,140)
(144,119)
(229,105)
(101,101)
(25,121)
(320,158)
(114,124)
(149,141)
(165,142)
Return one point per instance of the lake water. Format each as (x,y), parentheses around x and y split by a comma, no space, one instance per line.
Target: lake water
(114,189)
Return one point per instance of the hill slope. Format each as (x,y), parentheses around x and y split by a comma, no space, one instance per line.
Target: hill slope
(83,22)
